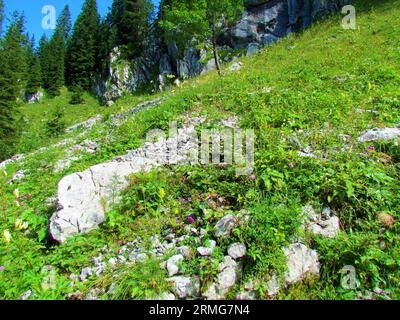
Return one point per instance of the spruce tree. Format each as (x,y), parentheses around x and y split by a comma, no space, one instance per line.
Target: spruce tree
(55,62)
(12,72)
(105,46)
(130,25)
(64,24)
(44,54)
(34,72)
(53,55)
(82,54)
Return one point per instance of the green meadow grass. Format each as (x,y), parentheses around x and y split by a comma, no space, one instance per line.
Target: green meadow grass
(312,85)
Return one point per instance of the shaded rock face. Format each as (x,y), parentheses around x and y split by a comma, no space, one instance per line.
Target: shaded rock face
(34,98)
(262,24)
(124,76)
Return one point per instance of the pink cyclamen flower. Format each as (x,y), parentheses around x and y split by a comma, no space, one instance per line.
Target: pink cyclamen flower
(252,177)
(190,219)
(25,196)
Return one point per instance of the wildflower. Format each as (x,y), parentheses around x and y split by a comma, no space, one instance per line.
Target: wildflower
(16,193)
(191,220)
(161,193)
(371,148)
(2,268)
(25,196)
(7,236)
(252,177)
(189,200)
(292,165)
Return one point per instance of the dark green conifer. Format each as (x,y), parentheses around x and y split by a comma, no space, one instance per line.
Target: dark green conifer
(82,53)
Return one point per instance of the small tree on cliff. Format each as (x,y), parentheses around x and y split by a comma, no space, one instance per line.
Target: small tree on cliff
(189,23)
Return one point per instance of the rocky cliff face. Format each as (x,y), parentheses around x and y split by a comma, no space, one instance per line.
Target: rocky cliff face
(263,23)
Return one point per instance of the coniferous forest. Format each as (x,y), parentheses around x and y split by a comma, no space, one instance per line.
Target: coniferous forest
(200,150)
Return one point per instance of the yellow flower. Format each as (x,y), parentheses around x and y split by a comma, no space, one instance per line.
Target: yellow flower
(161,193)
(7,236)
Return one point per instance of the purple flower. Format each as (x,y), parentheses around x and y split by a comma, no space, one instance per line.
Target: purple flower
(190,219)
(371,148)
(291,165)
(252,177)
(25,196)
(189,200)
(2,268)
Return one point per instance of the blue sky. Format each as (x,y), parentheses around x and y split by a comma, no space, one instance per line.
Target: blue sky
(33,11)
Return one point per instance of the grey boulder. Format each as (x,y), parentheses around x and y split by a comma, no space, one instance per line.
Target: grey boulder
(185,287)
(385,134)
(302,262)
(237,250)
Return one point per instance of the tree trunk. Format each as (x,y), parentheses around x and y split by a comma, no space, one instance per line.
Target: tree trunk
(215,50)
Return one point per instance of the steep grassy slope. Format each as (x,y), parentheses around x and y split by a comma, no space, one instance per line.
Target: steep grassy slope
(317,86)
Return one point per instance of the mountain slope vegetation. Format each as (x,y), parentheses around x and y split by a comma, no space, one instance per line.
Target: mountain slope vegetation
(311,93)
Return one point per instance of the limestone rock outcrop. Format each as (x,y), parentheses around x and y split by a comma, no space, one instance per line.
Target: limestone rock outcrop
(263,23)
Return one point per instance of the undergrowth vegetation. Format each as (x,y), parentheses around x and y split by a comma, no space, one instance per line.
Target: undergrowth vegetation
(316,89)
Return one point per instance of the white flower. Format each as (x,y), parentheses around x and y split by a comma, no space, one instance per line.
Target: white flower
(7,236)
(16,193)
